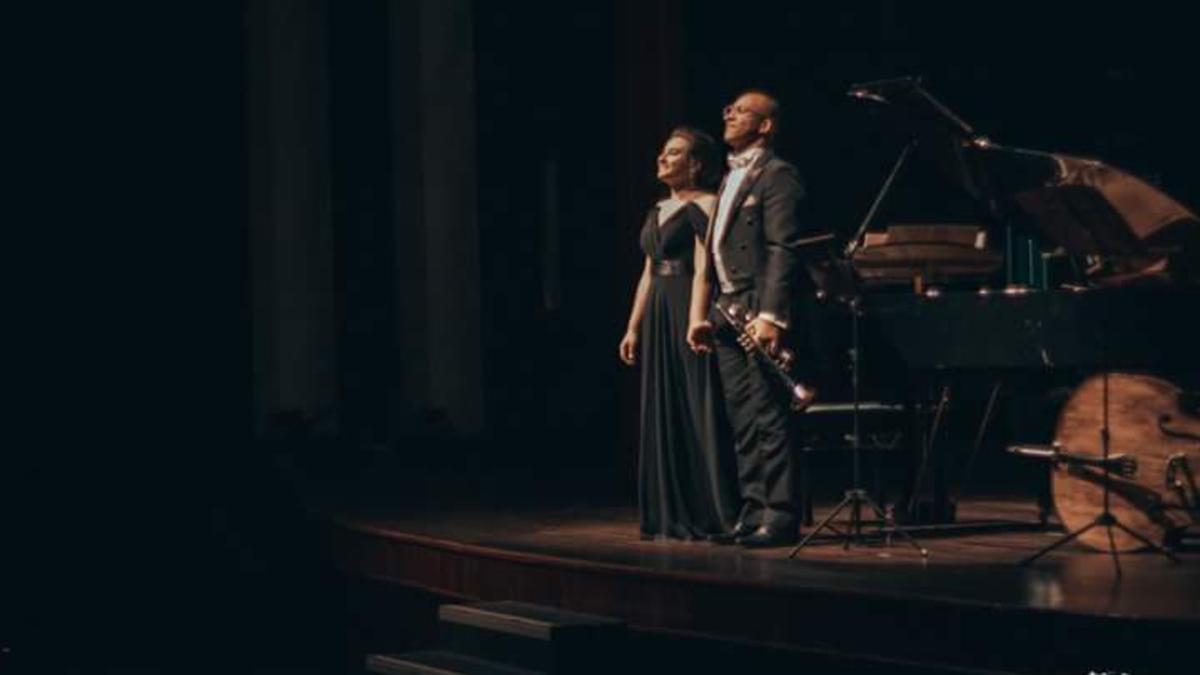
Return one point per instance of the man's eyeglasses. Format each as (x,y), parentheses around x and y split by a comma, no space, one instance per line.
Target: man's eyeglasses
(739,110)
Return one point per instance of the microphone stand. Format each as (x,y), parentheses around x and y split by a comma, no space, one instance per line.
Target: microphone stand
(1106,518)
(856,240)
(856,497)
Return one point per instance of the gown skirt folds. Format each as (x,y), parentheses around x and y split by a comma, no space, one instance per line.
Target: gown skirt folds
(686,488)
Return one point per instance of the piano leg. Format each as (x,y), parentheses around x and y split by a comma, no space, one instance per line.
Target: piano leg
(979,434)
(938,506)
(1033,421)
(1045,501)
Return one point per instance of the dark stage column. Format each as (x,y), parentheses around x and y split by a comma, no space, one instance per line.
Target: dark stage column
(295,364)
(435,208)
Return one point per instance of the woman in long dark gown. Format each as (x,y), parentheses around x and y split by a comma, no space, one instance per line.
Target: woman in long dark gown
(685,476)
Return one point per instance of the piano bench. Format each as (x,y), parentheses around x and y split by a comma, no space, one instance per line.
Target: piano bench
(829,426)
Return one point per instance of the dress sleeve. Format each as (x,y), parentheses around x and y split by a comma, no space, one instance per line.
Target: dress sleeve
(697,219)
(646,234)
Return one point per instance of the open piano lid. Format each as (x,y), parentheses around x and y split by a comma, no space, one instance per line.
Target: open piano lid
(1085,206)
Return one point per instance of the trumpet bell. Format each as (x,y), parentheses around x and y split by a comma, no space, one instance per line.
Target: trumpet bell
(802,397)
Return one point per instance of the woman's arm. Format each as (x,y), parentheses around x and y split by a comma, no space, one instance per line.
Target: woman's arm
(627,350)
(699,329)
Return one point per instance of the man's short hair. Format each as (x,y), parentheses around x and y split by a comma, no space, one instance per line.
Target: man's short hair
(774,110)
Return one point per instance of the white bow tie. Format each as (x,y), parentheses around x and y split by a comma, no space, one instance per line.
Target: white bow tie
(740,161)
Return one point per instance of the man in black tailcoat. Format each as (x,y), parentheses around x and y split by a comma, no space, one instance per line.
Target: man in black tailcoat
(757,250)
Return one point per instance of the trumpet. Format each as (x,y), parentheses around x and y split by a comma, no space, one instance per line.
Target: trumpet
(781,363)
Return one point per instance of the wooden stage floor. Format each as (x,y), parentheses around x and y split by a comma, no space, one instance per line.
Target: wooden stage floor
(970,592)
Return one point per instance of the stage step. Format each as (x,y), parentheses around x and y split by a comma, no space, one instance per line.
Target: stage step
(534,636)
(437,663)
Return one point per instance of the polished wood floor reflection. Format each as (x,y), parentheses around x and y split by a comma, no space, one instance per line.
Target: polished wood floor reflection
(974,566)
(969,607)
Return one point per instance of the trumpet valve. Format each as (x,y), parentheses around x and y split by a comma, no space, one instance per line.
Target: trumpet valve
(785,358)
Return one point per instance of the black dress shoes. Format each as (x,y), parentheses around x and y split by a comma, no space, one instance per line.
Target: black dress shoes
(766,536)
(739,530)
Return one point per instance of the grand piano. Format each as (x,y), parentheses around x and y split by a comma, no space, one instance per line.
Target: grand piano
(1119,263)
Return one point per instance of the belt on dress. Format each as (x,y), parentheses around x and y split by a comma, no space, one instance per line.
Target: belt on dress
(671,268)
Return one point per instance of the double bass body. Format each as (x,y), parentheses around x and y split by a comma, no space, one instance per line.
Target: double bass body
(1149,419)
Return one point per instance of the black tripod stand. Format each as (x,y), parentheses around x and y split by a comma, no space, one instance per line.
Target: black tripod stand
(1105,518)
(855,497)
